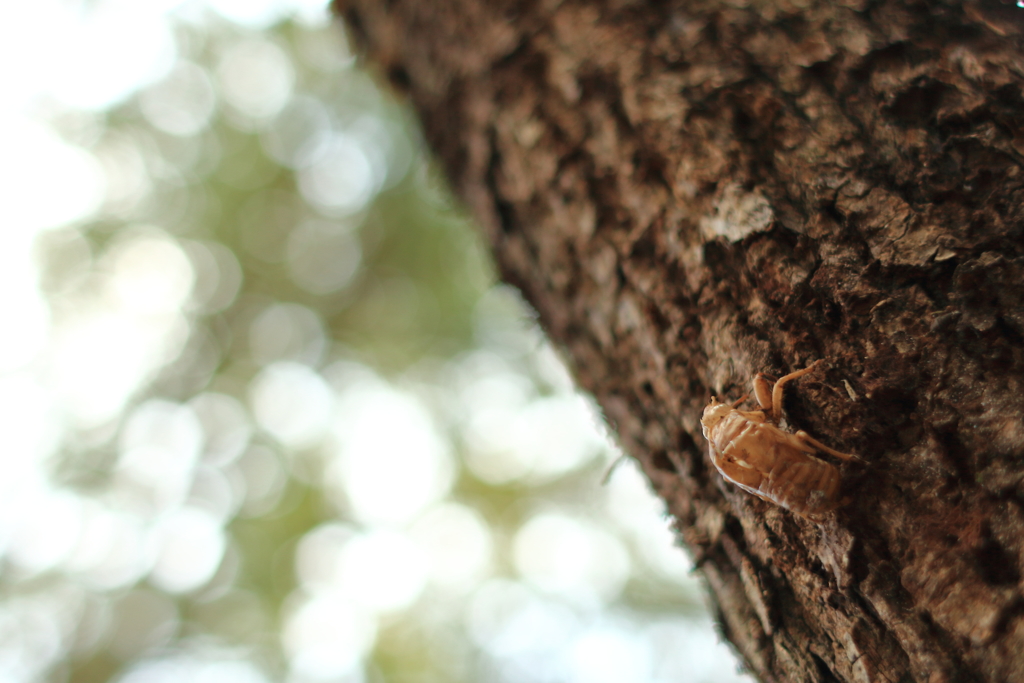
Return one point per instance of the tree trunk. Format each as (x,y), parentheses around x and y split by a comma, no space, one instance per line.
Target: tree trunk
(693,192)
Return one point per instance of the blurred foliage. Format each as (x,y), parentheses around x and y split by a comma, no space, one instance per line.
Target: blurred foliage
(303,319)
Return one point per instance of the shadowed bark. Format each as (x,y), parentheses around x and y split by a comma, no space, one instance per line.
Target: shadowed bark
(693,192)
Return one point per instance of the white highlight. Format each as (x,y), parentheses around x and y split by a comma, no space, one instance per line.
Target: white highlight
(150,274)
(189,546)
(641,516)
(111,551)
(382,571)
(392,462)
(458,545)
(609,655)
(218,275)
(293,403)
(118,47)
(256,77)
(225,422)
(540,440)
(326,636)
(571,557)
(160,444)
(195,669)
(341,181)
(737,214)
(182,103)
(46,182)
(507,619)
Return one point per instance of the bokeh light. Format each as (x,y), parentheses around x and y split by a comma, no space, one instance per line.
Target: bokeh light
(256,78)
(570,557)
(265,415)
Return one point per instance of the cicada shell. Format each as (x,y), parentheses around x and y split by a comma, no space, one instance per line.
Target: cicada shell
(752,452)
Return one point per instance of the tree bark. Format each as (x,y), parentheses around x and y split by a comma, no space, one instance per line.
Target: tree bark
(693,192)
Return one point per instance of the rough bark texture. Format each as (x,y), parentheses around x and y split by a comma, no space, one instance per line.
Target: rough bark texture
(692,192)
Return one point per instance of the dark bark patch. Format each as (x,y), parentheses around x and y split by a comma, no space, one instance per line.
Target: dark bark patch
(918,104)
(661,461)
(825,673)
(996,566)
(399,78)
